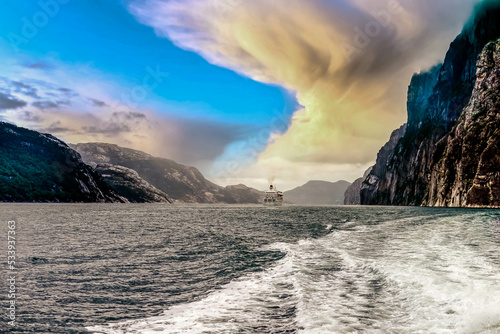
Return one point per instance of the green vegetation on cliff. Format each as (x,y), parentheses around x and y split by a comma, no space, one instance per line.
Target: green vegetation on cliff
(40,167)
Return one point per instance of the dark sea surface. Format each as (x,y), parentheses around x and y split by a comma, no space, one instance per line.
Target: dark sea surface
(119,268)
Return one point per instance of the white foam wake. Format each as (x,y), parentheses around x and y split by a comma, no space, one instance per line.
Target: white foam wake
(259,302)
(442,276)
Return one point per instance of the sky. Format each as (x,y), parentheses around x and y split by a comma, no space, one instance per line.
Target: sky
(251,92)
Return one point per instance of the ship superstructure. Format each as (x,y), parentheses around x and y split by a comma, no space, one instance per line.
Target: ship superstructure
(273,197)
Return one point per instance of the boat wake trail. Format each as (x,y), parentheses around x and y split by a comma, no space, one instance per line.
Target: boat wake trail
(418,275)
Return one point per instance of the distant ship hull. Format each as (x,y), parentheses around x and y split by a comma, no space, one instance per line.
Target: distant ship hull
(273,197)
(275,203)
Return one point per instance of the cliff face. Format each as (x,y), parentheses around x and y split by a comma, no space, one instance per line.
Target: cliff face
(178,182)
(467,171)
(182,183)
(40,167)
(417,173)
(130,185)
(352,195)
(376,186)
(420,90)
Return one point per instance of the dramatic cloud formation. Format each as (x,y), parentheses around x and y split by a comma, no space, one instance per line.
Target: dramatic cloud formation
(349,62)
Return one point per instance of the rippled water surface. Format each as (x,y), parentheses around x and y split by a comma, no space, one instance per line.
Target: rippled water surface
(247,269)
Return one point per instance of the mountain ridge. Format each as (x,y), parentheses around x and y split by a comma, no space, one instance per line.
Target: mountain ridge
(38,167)
(181,183)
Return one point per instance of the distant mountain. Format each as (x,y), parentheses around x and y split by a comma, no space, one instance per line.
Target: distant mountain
(39,167)
(178,182)
(318,193)
(241,194)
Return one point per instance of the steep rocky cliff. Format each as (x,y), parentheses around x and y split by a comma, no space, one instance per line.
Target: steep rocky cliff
(39,167)
(420,90)
(181,183)
(352,195)
(130,185)
(438,161)
(467,171)
(374,185)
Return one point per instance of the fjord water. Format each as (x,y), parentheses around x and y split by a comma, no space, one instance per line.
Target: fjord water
(246,269)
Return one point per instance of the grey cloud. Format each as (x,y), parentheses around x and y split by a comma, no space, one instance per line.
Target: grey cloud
(387,53)
(8,101)
(65,103)
(46,104)
(37,89)
(25,89)
(5,81)
(39,65)
(46,95)
(41,84)
(108,129)
(119,122)
(29,116)
(55,127)
(68,92)
(129,115)
(97,103)
(51,89)
(201,141)
(191,141)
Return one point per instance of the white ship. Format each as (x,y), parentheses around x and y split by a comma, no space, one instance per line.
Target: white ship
(273,197)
